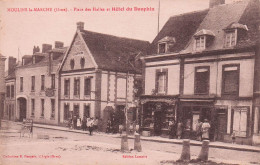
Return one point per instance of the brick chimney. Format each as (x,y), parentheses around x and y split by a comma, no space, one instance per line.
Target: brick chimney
(80,25)
(11,64)
(58,44)
(213,3)
(46,48)
(36,49)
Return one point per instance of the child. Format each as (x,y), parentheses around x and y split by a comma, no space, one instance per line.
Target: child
(233,136)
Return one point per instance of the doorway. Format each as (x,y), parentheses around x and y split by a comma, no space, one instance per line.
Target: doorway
(157,122)
(221,125)
(22,108)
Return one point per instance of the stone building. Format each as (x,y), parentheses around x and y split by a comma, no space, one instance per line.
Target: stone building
(2,84)
(97,76)
(37,84)
(205,65)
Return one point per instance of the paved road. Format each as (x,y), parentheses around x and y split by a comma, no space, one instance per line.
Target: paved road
(214,153)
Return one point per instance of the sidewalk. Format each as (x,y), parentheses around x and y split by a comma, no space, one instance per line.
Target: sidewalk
(155,138)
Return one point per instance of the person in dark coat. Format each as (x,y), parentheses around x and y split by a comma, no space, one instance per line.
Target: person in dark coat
(75,122)
(84,123)
(172,129)
(91,126)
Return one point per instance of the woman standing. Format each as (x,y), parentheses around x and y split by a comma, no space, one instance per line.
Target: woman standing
(205,130)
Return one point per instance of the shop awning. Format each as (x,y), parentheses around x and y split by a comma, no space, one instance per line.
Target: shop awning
(169,99)
(197,98)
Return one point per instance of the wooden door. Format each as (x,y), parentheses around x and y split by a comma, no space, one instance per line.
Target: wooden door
(221,127)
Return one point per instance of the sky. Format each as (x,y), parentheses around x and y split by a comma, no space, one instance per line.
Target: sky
(24,29)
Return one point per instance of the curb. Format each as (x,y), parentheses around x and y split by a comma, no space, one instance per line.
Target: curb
(152,140)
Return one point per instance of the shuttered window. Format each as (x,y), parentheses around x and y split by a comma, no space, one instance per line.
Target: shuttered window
(240,121)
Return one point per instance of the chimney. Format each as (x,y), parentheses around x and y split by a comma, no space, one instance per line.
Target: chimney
(11,64)
(80,26)
(58,44)
(46,48)
(213,3)
(36,49)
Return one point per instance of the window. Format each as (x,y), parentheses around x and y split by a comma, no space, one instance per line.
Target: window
(52,108)
(66,87)
(86,110)
(162,47)
(12,91)
(32,107)
(72,63)
(240,120)
(230,80)
(76,86)
(42,106)
(21,84)
(33,83)
(230,38)
(52,81)
(7,91)
(201,82)
(87,86)
(66,111)
(161,81)
(76,110)
(200,42)
(82,62)
(42,82)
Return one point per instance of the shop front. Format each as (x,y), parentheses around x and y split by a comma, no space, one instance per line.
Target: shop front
(193,110)
(156,114)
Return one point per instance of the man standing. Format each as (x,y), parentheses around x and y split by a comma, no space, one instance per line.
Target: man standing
(205,130)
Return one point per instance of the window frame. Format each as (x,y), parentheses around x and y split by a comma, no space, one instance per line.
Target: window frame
(12,91)
(233,33)
(8,91)
(66,84)
(159,47)
(42,107)
(87,92)
(42,82)
(66,112)
(76,89)
(199,38)
(196,80)
(52,108)
(72,64)
(82,62)
(21,84)
(53,81)
(158,73)
(32,83)
(223,93)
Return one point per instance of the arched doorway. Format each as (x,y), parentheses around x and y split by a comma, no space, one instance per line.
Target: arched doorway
(22,108)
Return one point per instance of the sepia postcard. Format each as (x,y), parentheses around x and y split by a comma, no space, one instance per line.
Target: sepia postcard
(123,82)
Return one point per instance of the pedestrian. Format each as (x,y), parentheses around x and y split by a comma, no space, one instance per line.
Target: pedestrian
(179,130)
(78,122)
(84,123)
(205,130)
(199,130)
(70,123)
(74,122)
(171,129)
(91,126)
(233,136)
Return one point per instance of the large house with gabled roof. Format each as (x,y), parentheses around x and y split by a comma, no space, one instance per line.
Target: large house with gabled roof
(97,76)
(205,65)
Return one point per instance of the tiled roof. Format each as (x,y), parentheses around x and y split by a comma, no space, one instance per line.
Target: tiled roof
(181,27)
(45,60)
(113,53)
(221,17)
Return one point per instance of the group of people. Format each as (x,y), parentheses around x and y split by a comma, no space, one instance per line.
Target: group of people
(202,130)
(86,123)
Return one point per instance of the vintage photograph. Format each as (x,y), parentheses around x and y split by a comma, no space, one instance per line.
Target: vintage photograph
(130,82)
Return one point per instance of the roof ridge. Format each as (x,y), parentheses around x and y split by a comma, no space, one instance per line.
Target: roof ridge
(110,35)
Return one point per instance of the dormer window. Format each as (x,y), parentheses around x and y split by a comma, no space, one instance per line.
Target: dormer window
(230,39)
(162,48)
(166,44)
(203,39)
(200,42)
(232,34)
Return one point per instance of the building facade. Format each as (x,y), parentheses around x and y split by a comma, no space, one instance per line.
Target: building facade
(211,69)
(37,84)
(2,84)
(97,76)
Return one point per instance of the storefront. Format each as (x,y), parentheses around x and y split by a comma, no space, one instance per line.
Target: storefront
(156,112)
(194,109)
